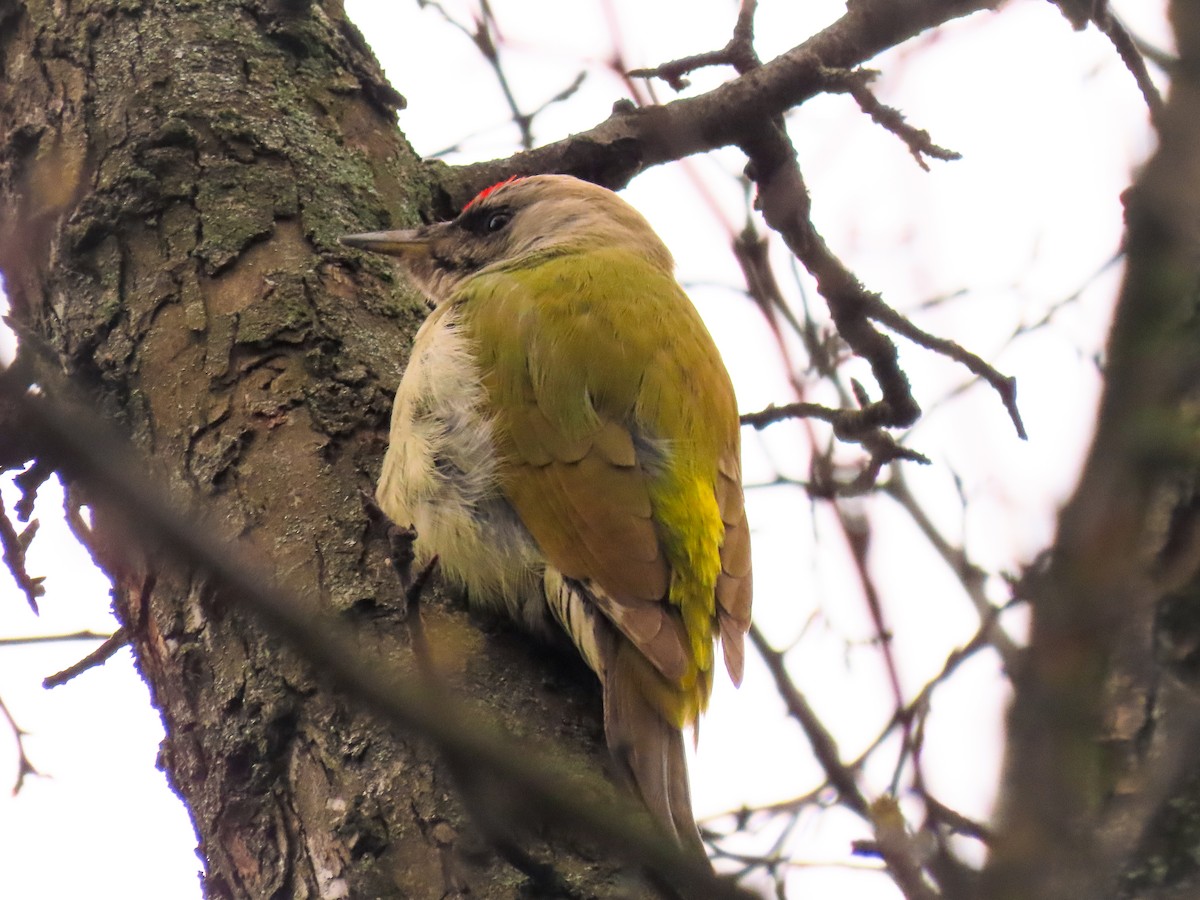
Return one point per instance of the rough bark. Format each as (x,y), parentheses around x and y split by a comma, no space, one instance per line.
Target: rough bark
(173,178)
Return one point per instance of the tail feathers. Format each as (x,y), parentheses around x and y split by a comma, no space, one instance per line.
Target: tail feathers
(648,749)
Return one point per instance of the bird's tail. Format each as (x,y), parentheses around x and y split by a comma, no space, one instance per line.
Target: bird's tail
(648,749)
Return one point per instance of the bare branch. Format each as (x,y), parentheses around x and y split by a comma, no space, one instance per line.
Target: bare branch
(918,141)
(1080,12)
(1131,54)
(783,200)
(97,657)
(801,410)
(956,821)
(970,576)
(1004,385)
(53,638)
(24,766)
(840,776)
(898,848)
(739,53)
(15,544)
(484,35)
(633,139)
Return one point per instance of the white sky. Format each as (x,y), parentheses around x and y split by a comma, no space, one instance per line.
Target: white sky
(1050,126)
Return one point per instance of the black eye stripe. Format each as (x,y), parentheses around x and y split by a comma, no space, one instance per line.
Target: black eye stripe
(455,264)
(485,220)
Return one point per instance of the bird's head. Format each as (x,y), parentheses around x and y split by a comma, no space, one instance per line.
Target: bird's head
(517,223)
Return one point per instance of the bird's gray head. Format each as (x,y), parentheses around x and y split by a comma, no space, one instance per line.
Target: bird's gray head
(515,224)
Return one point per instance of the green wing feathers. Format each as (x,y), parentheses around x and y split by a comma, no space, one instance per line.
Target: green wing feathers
(621,454)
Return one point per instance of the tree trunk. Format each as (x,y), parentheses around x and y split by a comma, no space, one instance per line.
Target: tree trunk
(173,181)
(1102,791)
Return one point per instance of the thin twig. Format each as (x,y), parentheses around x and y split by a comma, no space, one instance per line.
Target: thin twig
(825,748)
(972,578)
(1004,385)
(632,139)
(772,414)
(1131,55)
(978,642)
(920,144)
(485,36)
(739,53)
(858,538)
(53,638)
(15,544)
(957,822)
(899,850)
(24,766)
(97,657)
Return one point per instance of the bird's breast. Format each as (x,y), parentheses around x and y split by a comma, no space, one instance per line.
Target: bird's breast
(441,475)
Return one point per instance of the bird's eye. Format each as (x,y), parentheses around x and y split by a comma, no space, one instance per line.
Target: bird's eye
(496,222)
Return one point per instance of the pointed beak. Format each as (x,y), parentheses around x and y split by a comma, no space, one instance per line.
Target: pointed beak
(404,244)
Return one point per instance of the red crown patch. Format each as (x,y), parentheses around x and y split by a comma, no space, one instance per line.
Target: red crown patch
(488,190)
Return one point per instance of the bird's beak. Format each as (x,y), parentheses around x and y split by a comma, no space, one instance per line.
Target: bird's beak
(404,244)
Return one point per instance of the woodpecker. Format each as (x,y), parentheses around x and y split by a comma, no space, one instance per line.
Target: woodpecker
(565,440)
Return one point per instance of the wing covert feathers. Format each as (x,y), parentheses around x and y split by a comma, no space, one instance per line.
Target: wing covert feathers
(620,451)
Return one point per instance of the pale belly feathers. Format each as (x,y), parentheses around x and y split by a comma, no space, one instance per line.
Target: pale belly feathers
(440,475)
